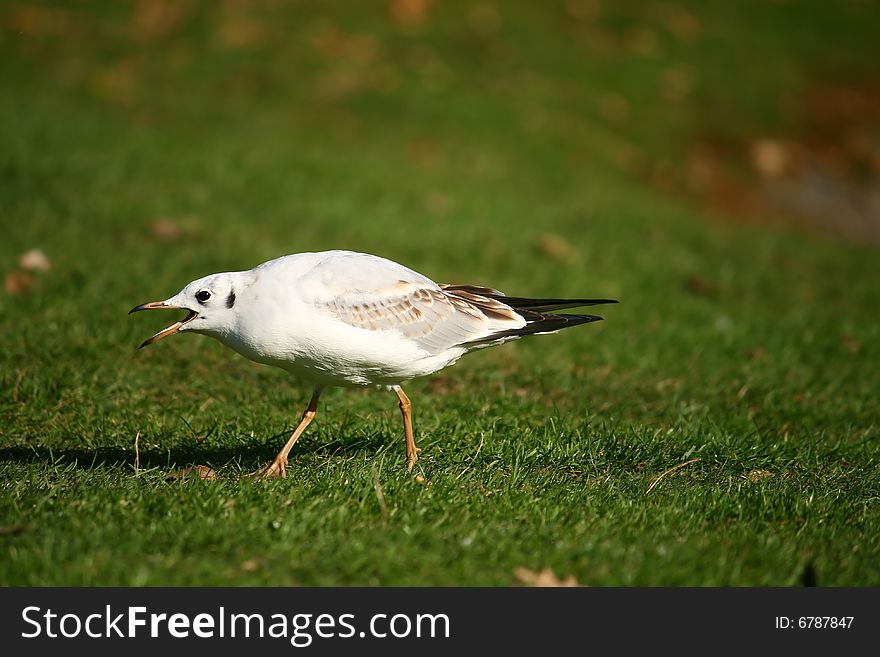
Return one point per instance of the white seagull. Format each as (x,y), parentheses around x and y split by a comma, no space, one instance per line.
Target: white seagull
(340,318)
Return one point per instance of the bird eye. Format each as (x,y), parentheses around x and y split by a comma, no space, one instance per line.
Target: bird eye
(202,296)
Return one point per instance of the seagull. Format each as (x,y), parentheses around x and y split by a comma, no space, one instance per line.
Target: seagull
(341,318)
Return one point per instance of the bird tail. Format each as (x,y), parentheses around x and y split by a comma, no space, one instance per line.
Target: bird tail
(538,313)
(536,324)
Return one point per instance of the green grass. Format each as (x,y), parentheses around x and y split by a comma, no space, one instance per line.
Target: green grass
(458,147)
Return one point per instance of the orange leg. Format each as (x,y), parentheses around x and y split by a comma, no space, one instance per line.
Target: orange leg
(278,467)
(412,452)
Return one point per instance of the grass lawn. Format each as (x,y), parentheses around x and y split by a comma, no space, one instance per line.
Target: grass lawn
(144,145)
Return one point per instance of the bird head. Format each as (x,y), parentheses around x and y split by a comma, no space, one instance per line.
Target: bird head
(209,302)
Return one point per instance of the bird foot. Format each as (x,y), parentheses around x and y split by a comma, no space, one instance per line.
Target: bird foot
(413,458)
(277,469)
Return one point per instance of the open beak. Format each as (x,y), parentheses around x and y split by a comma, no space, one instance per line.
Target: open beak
(165,332)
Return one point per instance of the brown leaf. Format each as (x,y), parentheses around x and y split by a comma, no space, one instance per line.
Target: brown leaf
(241,32)
(770,158)
(409,13)
(34,260)
(157,19)
(249,565)
(700,286)
(544,578)
(202,471)
(684,26)
(756,476)
(584,10)
(18,282)
(555,246)
(166,230)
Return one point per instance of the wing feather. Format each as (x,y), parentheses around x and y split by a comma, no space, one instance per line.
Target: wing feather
(379,295)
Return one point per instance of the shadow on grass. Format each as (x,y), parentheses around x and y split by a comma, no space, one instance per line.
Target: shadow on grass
(247,457)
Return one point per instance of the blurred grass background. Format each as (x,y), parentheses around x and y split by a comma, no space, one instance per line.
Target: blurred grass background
(636,150)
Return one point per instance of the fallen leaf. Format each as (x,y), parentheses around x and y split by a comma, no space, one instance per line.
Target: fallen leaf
(757,475)
(700,286)
(555,246)
(544,578)
(34,260)
(157,19)
(202,471)
(166,230)
(249,565)
(684,26)
(584,10)
(18,282)
(409,13)
(240,32)
(770,157)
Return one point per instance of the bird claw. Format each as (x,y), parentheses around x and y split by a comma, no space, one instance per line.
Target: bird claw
(275,470)
(413,458)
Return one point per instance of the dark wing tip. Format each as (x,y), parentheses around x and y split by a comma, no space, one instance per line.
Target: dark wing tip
(538,323)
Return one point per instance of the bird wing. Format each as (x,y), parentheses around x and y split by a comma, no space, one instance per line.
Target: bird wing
(380,295)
